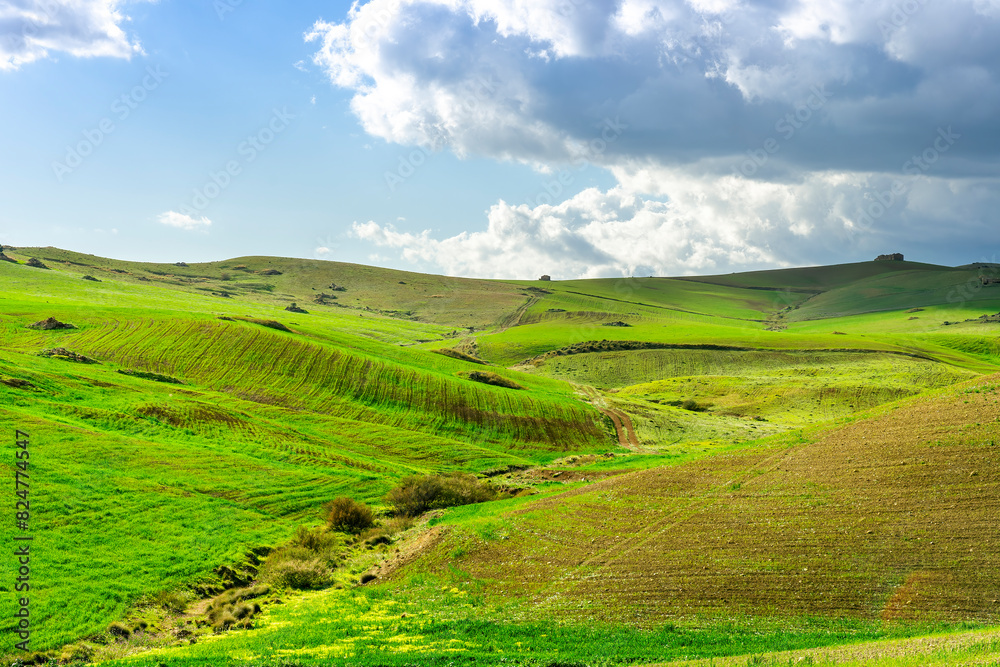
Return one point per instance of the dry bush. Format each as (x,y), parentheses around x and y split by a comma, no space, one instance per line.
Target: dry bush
(346,515)
(297,568)
(119,630)
(420,493)
(175,601)
(316,540)
(305,563)
(692,405)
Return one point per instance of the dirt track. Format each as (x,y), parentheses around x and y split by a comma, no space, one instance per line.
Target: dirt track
(622,422)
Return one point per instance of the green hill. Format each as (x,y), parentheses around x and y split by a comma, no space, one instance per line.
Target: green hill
(228,401)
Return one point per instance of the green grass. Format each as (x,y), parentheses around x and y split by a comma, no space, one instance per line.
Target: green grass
(442,620)
(141,486)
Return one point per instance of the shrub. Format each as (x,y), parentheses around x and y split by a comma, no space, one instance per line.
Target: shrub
(119,630)
(292,570)
(299,567)
(77,653)
(417,494)
(349,516)
(225,621)
(692,405)
(302,564)
(316,540)
(175,601)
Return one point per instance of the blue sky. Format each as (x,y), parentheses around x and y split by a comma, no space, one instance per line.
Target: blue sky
(499,138)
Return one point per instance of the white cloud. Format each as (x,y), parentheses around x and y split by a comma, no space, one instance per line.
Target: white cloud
(707,225)
(846,91)
(32,30)
(183,221)
(530,81)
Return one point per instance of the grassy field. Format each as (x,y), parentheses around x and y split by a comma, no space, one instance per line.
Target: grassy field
(806,472)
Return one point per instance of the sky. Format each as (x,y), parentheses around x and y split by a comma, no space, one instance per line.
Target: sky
(504,138)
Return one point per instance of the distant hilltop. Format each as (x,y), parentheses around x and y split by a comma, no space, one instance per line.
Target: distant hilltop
(894,257)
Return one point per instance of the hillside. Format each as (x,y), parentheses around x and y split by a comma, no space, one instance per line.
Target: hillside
(889,516)
(877,527)
(753,424)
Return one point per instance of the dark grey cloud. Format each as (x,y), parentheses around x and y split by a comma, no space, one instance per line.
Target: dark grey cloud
(756,131)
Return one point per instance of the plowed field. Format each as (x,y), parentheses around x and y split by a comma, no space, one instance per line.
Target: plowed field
(895,516)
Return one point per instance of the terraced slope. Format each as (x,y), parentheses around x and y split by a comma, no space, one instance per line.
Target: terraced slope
(140,486)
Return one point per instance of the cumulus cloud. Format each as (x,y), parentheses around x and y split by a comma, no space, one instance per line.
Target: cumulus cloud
(707,225)
(32,30)
(531,81)
(183,221)
(752,132)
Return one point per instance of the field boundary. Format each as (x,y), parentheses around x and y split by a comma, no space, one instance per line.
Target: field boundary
(885,649)
(594,346)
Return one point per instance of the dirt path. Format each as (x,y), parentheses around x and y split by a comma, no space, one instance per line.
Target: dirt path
(871,651)
(410,549)
(512,319)
(622,422)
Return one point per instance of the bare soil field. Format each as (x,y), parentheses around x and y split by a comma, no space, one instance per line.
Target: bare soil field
(895,516)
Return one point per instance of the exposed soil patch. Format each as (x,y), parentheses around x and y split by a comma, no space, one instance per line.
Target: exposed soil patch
(892,516)
(17,383)
(458,354)
(408,551)
(50,324)
(487,377)
(67,355)
(624,430)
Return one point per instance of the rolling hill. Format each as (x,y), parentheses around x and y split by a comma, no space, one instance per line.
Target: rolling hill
(771,446)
